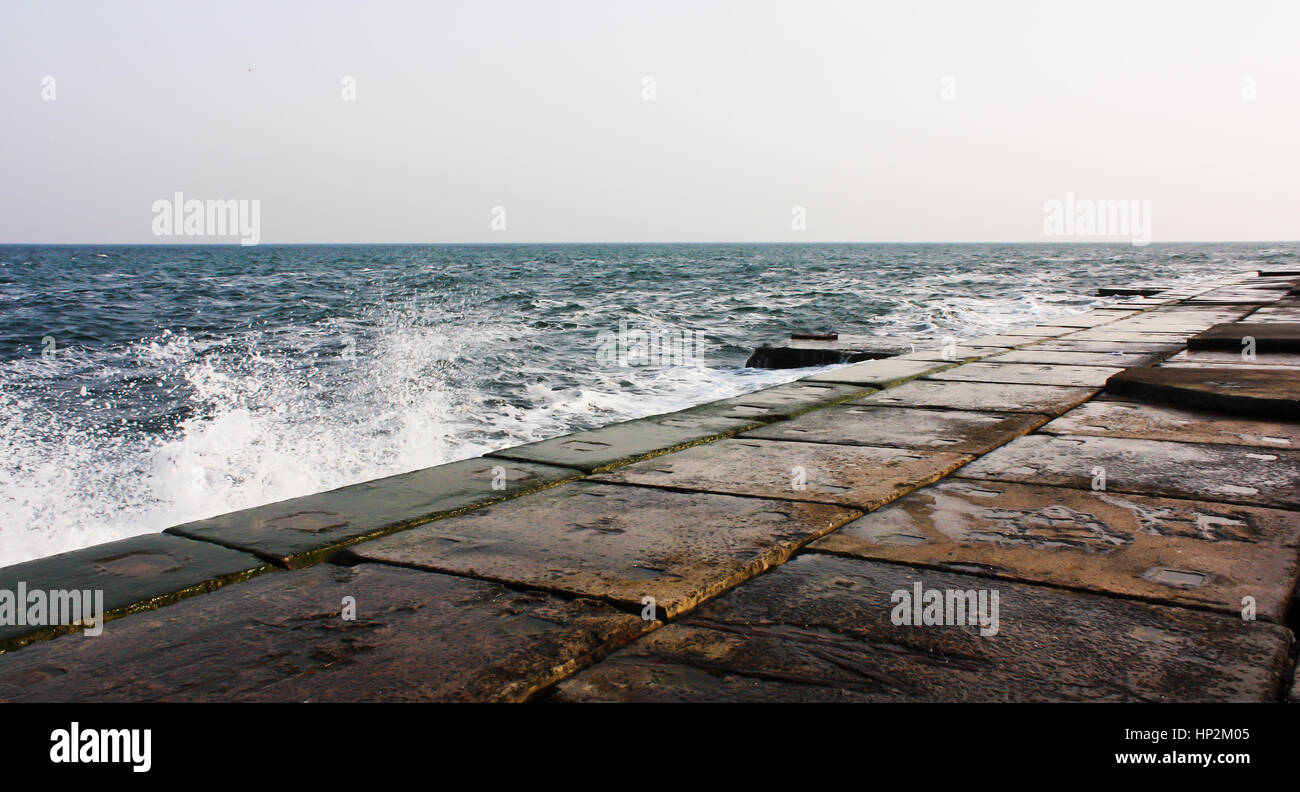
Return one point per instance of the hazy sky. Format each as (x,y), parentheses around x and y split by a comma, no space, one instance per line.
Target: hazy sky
(885,121)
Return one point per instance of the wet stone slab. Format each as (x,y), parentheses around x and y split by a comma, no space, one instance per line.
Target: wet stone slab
(621,443)
(1038,332)
(820,629)
(1089,318)
(615,543)
(302,531)
(1113,359)
(1126,336)
(958,431)
(1180,552)
(1220,473)
(1258,392)
(953,354)
(981,396)
(1112,416)
(134,574)
(862,477)
(1125,347)
(415,636)
(1232,337)
(782,401)
(1201,358)
(1028,374)
(1004,341)
(882,373)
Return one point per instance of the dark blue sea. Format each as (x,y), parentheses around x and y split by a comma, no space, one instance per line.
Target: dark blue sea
(142,387)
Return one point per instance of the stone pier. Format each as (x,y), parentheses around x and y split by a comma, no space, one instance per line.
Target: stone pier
(1119,490)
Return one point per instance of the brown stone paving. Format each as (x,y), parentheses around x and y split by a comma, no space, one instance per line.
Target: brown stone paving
(615,543)
(416,636)
(862,477)
(1260,392)
(1114,416)
(993,397)
(1028,374)
(1175,551)
(820,628)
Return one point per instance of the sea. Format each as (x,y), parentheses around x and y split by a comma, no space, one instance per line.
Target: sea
(145,386)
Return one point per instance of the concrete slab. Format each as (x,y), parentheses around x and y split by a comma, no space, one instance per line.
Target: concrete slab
(1273,314)
(820,629)
(133,574)
(1126,347)
(1004,341)
(1038,332)
(1027,373)
(883,373)
(1093,318)
(1174,551)
(416,636)
(303,531)
(1126,336)
(1262,392)
(1213,359)
(1116,417)
(1231,337)
(1218,473)
(615,543)
(981,396)
(621,443)
(955,354)
(1040,357)
(861,477)
(958,431)
(782,401)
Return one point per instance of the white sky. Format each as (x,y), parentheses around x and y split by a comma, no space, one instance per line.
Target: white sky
(760,107)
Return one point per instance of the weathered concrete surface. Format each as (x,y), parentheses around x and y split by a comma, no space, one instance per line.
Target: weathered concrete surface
(1181,552)
(1258,392)
(1220,473)
(955,354)
(1230,336)
(1005,341)
(134,574)
(861,477)
(881,373)
(799,353)
(302,531)
(1028,374)
(985,396)
(1201,358)
(1117,417)
(615,543)
(1038,332)
(1126,347)
(1091,318)
(1106,333)
(819,629)
(782,401)
(1289,313)
(1037,356)
(621,443)
(958,431)
(416,636)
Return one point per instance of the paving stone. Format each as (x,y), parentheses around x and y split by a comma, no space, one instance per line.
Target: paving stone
(302,531)
(1038,332)
(1126,336)
(782,401)
(621,443)
(615,543)
(1219,473)
(1027,373)
(1115,417)
(1273,314)
(1273,392)
(1039,356)
(1209,358)
(820,629)
(1126,347)
(883,373)
(1181,552)
(133,574)
(958,431)
(1269,337)
(1005,341)
(416,636)
(982,396)
(955,354)
(1088,319)
(863,477)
